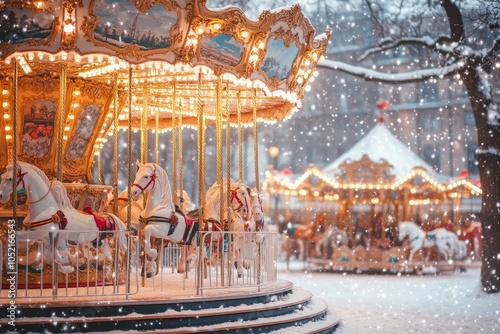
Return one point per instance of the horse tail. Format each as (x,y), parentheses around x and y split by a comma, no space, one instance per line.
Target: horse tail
(120,229)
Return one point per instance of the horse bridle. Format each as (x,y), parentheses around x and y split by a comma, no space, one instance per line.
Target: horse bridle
(234,195)
(152,180)
(20,179)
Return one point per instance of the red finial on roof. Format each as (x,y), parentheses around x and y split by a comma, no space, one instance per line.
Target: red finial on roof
(382,105)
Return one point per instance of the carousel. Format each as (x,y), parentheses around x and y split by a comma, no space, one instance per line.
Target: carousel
(84,257)
(356,211)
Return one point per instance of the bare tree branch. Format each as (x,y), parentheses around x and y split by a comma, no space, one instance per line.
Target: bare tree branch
(389,44)
(393,78)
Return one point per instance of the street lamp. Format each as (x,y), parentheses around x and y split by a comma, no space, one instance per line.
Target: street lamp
(274,151)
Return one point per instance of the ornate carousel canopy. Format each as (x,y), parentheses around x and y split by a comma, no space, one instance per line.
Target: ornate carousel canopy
(76,66)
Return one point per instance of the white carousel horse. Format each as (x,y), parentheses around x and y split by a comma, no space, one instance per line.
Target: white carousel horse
(159,219)
(420,239)
(241,220)
(136,209)
(331,239)
(458,248)
(50,210)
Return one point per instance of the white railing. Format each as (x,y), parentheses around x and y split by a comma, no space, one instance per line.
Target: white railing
(222,260)
(99,268)
(233,259)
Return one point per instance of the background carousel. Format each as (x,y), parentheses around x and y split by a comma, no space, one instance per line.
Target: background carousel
(351,209)
(71,74)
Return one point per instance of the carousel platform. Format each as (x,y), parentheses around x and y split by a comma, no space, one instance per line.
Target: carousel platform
(279,307)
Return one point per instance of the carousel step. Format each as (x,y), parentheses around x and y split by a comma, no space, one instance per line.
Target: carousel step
(282,309)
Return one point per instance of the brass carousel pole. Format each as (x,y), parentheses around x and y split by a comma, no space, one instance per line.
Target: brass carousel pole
(240,140)
(14,170)
(115,145)
(174,147)
(181,188)
(201,186)
(14,148)
(157,137)
(258,226)
(218,159)
(181,172)
(129,170)
(228,179)
(144,127)
(62,111)
(99,168)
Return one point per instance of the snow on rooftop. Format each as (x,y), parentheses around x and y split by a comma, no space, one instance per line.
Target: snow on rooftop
(380,143)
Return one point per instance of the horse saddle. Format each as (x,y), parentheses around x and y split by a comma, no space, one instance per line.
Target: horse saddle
(102,221)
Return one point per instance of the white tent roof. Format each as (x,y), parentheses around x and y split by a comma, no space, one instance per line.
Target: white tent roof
(380,143)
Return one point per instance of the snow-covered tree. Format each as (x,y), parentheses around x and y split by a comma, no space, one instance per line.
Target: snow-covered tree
(461,40)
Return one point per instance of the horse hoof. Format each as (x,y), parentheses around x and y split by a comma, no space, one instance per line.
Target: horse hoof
(66,269)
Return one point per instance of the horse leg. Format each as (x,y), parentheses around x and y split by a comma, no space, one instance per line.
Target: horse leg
(412,253)
(302,253)
(238,257)
(61,255)
(182,264)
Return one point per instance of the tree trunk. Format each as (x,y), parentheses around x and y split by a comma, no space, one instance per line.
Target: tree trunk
(488,158)
(489,165)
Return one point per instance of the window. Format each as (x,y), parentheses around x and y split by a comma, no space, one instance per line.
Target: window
(471,159)
(469,119)
(431,122)
(431,156)
(430,91)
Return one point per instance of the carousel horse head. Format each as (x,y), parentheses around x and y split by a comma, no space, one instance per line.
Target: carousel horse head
(407,228)
(146,178)
(6,181)
(240,199)
(257,210)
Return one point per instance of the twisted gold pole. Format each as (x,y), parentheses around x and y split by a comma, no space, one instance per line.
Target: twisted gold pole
(240,140)
(144,126)
(129,149)
(115,145)
(157,137)
(174,147)
(218,144)
(255,143)
(228,181)
(201,183)
(62,120)
(14,145)
(228,158)
(181,174)
(218,157)
(99,168)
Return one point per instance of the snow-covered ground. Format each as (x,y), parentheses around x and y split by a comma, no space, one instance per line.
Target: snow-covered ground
(443,303)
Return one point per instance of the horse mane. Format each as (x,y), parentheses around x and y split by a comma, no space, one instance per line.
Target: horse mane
(166,191)
(38,171)
(61,195)
(212,200)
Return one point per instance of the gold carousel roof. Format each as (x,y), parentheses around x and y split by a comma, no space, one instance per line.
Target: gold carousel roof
(162,55)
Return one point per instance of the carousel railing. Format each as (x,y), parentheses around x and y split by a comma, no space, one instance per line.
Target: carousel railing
(110,273)
(250,261)
(97,270)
